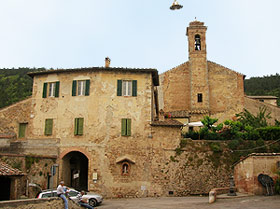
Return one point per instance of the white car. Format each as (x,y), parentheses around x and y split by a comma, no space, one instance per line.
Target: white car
(93,199)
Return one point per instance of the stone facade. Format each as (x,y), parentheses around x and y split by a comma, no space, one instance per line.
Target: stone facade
(220,89)
(247,170)
(253,106)
(266,99)
(11,116)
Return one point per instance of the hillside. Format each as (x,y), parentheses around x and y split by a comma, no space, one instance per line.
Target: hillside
(15,85)
(263,86)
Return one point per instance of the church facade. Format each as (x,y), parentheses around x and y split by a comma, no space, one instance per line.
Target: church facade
(200,87)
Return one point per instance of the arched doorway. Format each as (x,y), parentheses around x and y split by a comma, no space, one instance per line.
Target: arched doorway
(75,170)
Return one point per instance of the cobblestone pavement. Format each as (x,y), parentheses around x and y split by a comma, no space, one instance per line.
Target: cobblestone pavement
(259,202)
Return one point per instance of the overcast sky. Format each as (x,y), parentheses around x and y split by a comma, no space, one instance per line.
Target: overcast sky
(242,35)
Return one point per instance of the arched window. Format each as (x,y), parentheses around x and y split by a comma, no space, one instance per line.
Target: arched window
(125,168)
(197,42)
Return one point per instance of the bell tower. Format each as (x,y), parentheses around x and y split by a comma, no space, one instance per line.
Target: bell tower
(196,33)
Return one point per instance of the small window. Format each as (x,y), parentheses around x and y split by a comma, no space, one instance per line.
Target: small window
(197,42)
(125,168)
(80,88)
(51,89)
(79,126)
(22,130)
(126,127)
(127,88)
(199,97)
(48,127)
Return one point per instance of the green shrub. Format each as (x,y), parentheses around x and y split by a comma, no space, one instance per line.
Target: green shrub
(233,144)
(216,147)
(269,132)
(192,134)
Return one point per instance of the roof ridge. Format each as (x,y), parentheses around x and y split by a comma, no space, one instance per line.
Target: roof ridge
(225,67)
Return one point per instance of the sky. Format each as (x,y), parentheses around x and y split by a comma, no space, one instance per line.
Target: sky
(242,35)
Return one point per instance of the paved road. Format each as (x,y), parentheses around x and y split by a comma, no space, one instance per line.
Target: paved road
(256,202)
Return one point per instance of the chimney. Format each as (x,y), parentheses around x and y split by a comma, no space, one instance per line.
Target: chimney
(107,62)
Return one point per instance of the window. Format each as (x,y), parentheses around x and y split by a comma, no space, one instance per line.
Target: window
(125,168)
(197,42)
(126,127)
(80,88)
(199,97)
(51,89)
(48,127)
(79,126)
(127,88)
(22,130)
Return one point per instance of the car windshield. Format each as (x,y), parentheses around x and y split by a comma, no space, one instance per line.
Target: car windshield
(73,193)
(49,194)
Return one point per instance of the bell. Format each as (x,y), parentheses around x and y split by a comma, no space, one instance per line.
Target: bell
(175,5)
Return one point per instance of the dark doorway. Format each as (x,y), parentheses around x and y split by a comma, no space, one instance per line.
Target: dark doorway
(5,183)
(75,170)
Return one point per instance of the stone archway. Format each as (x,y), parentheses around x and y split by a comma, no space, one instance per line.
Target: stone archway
(75,170)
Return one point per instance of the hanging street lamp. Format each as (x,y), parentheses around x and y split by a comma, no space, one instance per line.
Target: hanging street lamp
(175,5)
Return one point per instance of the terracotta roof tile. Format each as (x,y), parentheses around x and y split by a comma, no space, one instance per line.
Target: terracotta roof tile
(7,135)
(262,97)
(184,113)
(167,122)
(7,170)
(154,72)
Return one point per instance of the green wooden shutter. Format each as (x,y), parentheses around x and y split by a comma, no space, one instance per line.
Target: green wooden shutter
(123,130)
(87,87)
(48,127)
(134,88)
(45,86)
(80,126)
(119,88)
(76,126)
(74,88)
(21,131)
(56,89)
(128,127)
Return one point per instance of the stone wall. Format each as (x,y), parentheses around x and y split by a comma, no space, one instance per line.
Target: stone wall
(11,116)
(48,203)
(195,169)
(226,92)
(36,168)
(247,170)
(175,90)
(253,106)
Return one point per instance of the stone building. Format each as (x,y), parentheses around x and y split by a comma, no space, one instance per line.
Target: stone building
(96,128)
(200,87)
(247,170)
(266,99)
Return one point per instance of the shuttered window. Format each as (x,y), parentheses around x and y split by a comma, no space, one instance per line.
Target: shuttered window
(80,88)
(126,127)
(48,127)
(79,126)
(51,89)
(127,88)
(22,130)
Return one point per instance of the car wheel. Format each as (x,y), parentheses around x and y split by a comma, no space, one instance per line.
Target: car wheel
(92,202)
